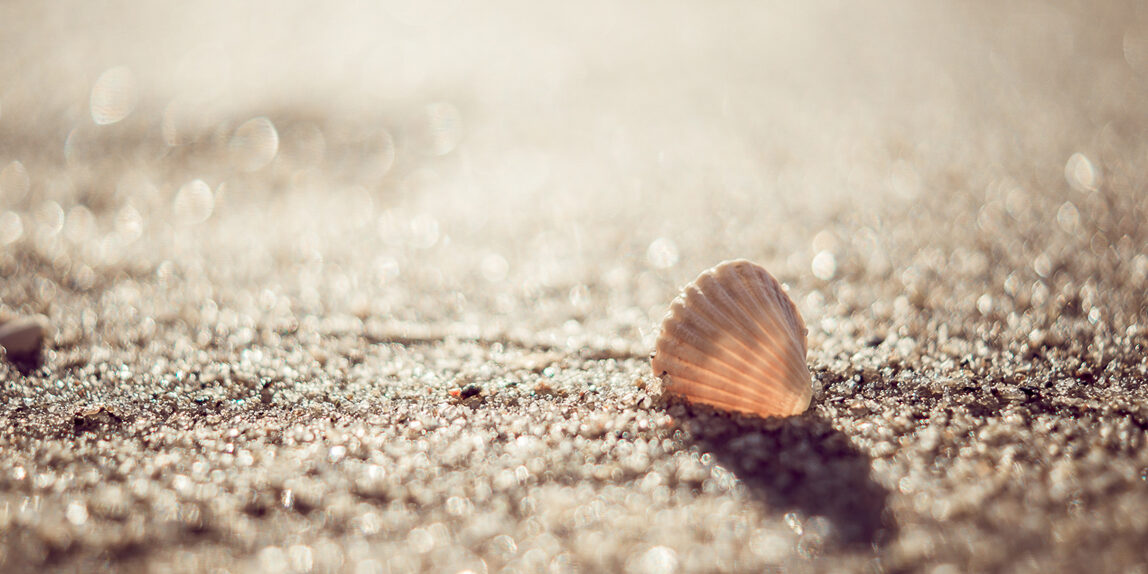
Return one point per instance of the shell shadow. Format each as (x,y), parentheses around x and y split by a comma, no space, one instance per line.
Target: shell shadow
(799,464)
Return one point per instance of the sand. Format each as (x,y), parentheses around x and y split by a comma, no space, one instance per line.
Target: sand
(372,289)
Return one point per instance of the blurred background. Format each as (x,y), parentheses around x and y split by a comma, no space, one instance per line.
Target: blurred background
(583,157)
(538,148)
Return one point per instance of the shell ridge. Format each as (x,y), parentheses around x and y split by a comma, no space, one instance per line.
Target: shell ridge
(777,308)
(734,339)
(690,383)
(771,302)
(675,365)
(686,388)
(694,348)
(775,347)
(712,329)
(741,335)
(746,330)
(786,304)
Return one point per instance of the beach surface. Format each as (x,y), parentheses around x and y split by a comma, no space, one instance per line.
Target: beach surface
(373,288)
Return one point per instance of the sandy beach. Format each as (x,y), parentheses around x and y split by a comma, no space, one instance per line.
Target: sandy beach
(372,288)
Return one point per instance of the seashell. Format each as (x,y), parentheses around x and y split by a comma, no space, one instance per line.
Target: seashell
(23,337)
(734,340)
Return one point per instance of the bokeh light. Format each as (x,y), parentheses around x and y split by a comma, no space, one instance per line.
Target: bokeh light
(662,253)
(254,144)
(114,96)
(11,227)
(1081,174)
(194,202)
(14,183)
(443,127)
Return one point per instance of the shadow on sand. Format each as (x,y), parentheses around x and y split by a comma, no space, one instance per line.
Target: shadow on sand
(798,464)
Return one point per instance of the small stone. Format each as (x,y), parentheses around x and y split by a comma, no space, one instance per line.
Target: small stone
(94,418)
(23,337)
(470,391)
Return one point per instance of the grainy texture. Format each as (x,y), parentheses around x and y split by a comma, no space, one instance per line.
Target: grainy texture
(337,288)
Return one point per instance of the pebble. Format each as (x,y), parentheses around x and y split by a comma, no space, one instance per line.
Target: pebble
(23,337)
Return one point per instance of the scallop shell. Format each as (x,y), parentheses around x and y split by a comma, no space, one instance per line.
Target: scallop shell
(734,340)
